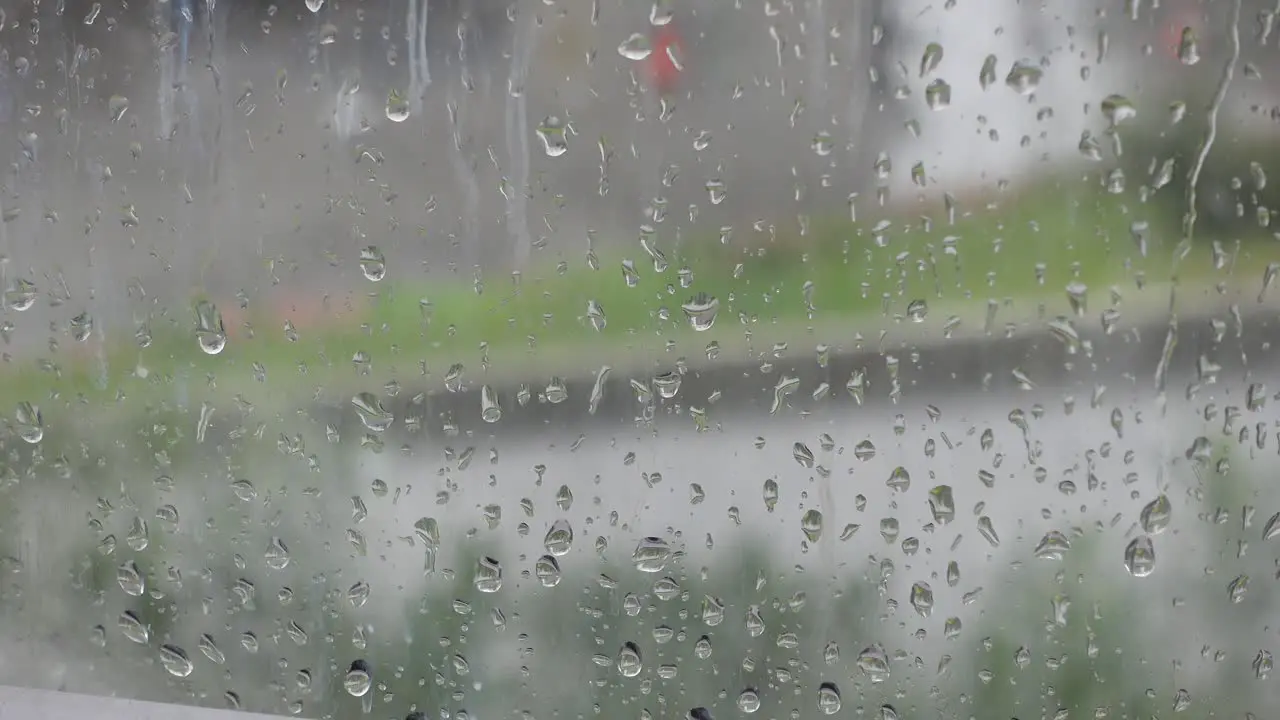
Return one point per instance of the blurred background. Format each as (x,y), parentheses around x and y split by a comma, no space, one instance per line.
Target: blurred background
(691,358)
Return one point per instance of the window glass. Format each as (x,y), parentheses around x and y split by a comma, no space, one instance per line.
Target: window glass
(671,359)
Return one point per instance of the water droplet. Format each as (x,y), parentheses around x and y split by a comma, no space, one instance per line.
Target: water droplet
(209,332)
(117,106)
(21,295)
(701,311)
(712,611)
(373,264)
(802,454)
(559,538)
(1140,557)
(595,316)
(1053,546)
(358,681)
(987,75)
(931,58)
(30,423)
(917,310)
(629,662)
(277,555)
(371,412)
(132,628)
(874,663)
(942,504)
(749,701)
(1023,78)
(1188,47)
(988,531)
(864,450)
(82,327)
(1272,528)
(1078,297)
(811,525)
(315,5)
(1156,514)
(488,576)
(397,107)
(937,95)
(1118,108)
(490,409)
(358,594)
(175,661)
(922,598)
(717,190)
(552,133)
(210,650)
(130,579)
(829,698)
(547,570)
(635,47)
(651,555)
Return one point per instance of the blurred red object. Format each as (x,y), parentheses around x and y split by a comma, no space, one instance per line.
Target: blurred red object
(664,72)
(1186,18)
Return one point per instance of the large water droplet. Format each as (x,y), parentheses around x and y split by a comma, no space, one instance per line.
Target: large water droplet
(701,311)
(629,662)
(30,424)
(175,661)
(1156,515)
(1140,557)
(358,681)
(277,555)
(397,107)
(559,538)
(488,576)
(210,334)
(552,133)
(829,702)
(373,264)
(1023,78)
(651,555)
(371,412)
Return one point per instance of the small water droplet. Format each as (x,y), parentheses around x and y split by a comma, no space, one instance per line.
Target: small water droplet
(635,47)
